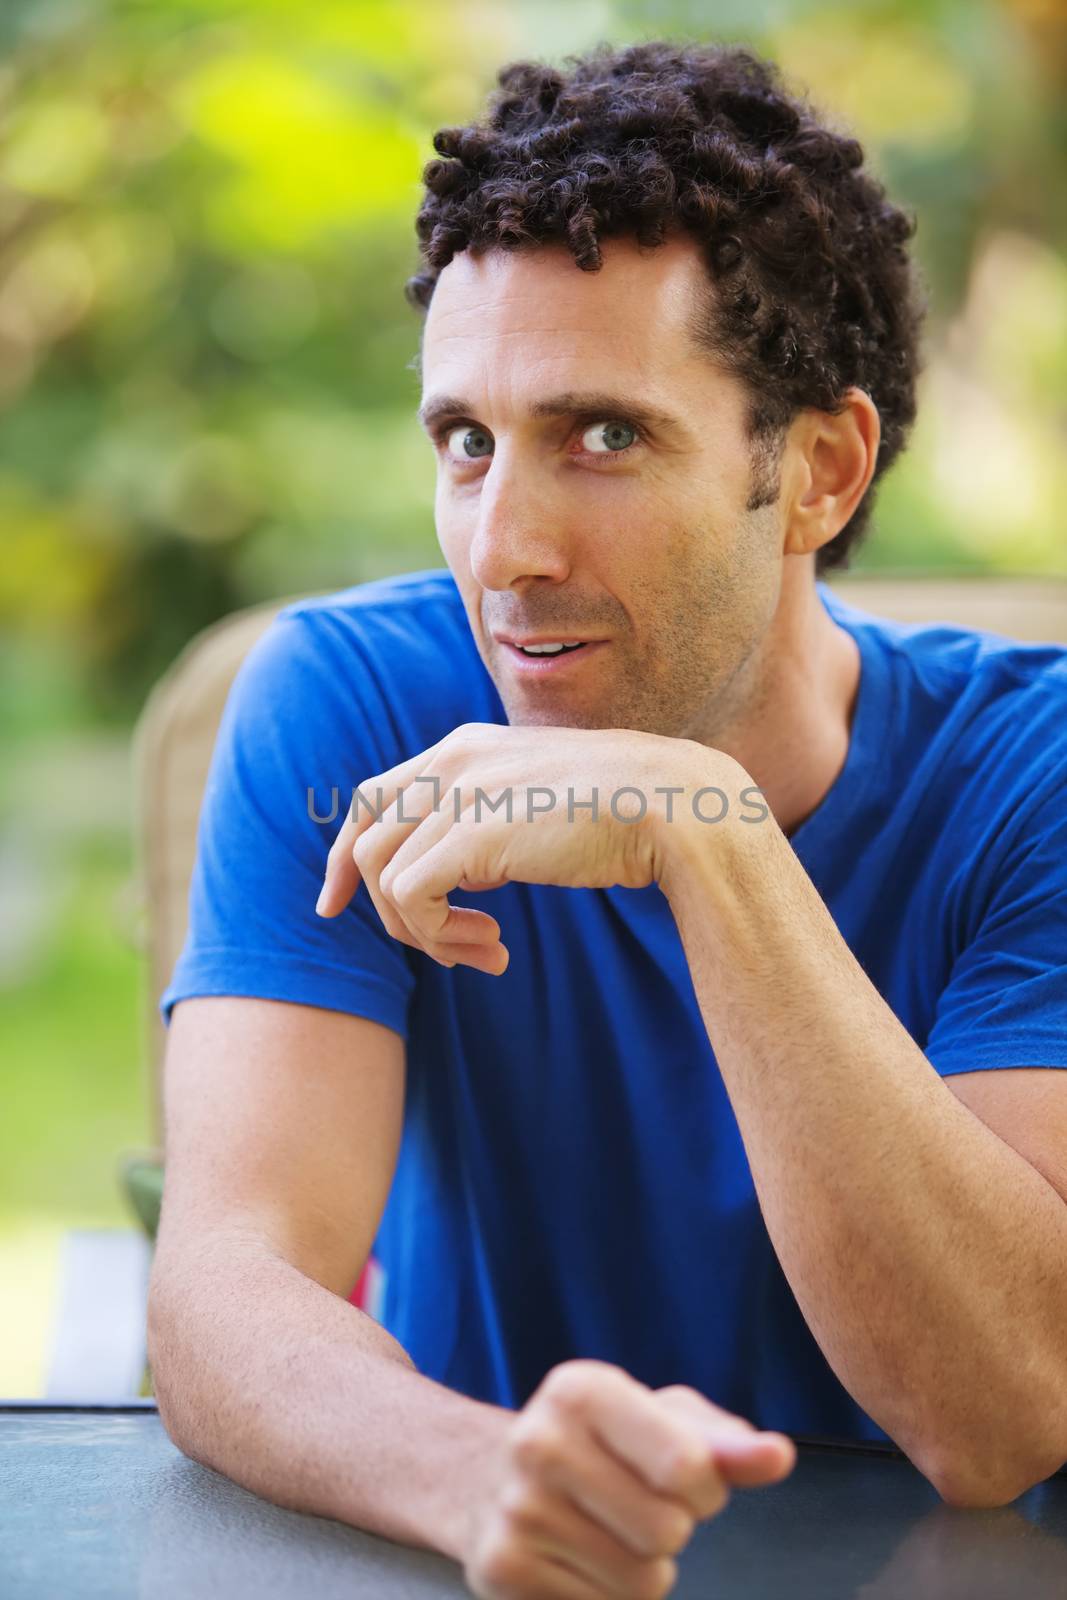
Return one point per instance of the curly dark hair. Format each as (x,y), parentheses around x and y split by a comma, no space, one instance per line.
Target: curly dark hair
(811,287)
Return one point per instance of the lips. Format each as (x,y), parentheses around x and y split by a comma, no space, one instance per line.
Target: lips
(520,639)
(555,662)
(556,648)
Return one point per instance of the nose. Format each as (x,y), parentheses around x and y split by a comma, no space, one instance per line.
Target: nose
(520,532)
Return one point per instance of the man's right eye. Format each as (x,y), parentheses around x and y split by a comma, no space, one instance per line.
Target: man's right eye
(468,444)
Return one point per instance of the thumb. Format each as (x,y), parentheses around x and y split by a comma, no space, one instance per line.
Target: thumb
(744,1455)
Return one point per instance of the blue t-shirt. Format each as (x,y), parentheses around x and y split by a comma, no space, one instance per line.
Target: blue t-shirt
(571,1179)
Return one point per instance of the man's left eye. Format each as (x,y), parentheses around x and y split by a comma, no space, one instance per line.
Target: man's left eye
(607,438)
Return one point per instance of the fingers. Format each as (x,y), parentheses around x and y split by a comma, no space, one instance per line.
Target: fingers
(369,801)
(601,1484)
(412,779)
(679,1442)
(396,878)
(577,1467)
(439,856)
(745,1456)
(511,1572)
(549,1525)
(768,1459)
(669,1452)
(384,853)
(558,1581)
(380,843)
(342,875)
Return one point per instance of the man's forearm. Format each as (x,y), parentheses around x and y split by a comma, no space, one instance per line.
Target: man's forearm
(274,1381)
(925,1253)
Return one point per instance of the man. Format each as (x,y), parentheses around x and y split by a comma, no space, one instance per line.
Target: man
(655,1024)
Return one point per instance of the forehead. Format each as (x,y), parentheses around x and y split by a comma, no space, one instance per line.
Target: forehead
(528,309)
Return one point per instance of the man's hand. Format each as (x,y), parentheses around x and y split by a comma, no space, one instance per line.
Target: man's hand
(492,804)
(603,1481)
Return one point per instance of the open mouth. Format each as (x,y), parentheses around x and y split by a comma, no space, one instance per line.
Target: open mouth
(538,650)
(547,660)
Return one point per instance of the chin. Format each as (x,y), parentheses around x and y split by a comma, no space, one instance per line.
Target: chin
(522,715)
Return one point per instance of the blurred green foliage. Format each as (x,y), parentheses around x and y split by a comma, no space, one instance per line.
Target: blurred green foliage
(71,1044)
(205,225)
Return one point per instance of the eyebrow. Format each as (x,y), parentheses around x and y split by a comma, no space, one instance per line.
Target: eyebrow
(570,403)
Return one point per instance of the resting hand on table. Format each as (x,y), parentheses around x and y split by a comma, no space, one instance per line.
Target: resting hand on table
(412,842)
(603,1481)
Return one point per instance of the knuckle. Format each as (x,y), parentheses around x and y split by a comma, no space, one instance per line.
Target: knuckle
(521,1510)
(737,1425)
(673,1531)
(502,1569)
(681,1391)
(683,1466)
(656,1580)
(569,1387)
(536,1446)
(363,849)
(405,892)
(715,1496)
(394,925)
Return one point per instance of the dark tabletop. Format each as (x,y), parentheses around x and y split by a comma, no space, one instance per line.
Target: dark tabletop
(96,1501)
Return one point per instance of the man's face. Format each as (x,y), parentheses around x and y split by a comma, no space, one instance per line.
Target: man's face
(593,475)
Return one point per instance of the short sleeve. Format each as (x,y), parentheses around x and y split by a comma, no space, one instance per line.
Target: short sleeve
(1006,1000)
(301,727)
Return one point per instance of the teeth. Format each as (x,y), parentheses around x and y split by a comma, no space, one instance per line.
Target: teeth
(545,649)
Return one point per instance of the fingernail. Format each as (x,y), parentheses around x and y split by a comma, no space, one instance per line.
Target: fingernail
(321,901)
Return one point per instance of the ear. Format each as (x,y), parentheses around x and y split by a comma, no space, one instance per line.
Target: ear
(832,460)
